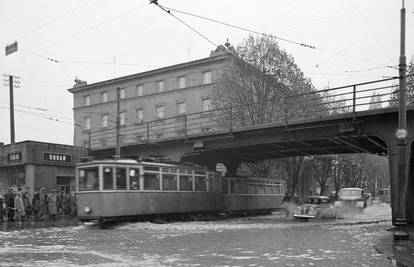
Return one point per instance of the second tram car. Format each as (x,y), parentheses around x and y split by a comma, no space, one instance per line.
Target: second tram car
(123,188)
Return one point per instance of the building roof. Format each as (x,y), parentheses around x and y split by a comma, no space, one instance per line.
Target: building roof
(34,142)
(82,85)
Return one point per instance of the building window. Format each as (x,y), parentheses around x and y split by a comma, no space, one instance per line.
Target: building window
(87,124)
(140,115)
(159,112)
(122,94)
(181,108)
(140,90)
(160,86)
(104,121)
(122,118)
(206,104)
(206,77)
(104,97)
(87,100)
(181,82)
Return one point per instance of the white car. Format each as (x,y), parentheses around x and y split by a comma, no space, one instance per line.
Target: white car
(312,208)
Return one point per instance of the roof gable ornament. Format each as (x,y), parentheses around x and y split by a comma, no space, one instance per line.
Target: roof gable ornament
(222,49)
(79,83)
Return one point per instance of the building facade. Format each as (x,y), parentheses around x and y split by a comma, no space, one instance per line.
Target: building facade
(153,104)
(30,165)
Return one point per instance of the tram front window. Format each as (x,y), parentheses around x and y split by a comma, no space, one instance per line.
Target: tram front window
(108,178)
(89,179)
(121,183)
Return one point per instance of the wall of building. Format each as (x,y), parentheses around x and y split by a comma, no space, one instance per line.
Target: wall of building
(32,164)
(133,131)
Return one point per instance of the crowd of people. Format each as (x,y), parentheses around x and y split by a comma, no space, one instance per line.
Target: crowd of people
(18,205)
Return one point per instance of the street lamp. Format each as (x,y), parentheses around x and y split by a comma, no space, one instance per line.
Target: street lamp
(401,135)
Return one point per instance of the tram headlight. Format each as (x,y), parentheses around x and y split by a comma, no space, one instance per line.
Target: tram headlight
(87,209)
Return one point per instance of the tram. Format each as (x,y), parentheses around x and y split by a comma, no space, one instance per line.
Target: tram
(114,189)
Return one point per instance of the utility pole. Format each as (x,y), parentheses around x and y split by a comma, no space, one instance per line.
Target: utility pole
(401,135)
(118,147)
(13,82)
(11,101)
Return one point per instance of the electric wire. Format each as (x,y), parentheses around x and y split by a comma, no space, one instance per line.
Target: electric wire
(35,52)
(372,32)
(168,10)
(41,116)
(52,21)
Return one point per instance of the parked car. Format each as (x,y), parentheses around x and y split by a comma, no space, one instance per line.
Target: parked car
(313,207)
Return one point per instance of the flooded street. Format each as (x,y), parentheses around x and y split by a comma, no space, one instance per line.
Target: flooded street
(248,241)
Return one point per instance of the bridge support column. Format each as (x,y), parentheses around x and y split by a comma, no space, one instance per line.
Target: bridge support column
(402,192)
(231,167)
(410,186)
(393,158)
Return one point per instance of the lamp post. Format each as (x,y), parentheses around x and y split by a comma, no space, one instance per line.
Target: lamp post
(401,135)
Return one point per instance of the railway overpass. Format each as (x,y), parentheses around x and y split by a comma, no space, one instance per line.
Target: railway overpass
(349,125)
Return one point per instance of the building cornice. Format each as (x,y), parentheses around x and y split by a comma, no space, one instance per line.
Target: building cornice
(140,75)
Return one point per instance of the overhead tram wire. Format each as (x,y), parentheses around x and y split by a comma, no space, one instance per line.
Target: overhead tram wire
(77,34)
(168,10)
(41,116)
(53,20)
(372,32)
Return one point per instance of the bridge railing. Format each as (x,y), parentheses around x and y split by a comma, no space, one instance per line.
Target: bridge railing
(319,104)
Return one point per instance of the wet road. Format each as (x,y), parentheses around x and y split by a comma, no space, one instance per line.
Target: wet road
(257,241)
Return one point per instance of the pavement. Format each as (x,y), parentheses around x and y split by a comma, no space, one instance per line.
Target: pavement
(401,252)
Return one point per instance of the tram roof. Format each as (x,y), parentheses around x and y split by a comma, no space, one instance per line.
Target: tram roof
(126,161)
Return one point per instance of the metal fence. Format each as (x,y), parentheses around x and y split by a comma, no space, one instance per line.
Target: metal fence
(321,104)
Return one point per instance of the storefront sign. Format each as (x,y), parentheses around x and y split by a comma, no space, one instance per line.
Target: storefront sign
(57,157)
(13,157)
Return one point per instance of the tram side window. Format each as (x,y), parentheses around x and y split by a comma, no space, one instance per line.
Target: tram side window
(108,182)
(169,182)
(151,181)
(277,189)
(252,188)
(200,183)
(89,179)
(268,188)
(225,186)
(186,182)
(134,179)
(121,183)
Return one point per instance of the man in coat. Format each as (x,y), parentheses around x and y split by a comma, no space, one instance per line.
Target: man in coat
(51,205)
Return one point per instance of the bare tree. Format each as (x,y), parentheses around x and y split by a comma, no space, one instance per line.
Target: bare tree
(322,171)
(256,83)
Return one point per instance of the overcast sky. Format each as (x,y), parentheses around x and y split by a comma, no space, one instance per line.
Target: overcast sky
(88,36)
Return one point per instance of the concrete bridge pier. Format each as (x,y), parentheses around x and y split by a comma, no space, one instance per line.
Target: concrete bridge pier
(402,190)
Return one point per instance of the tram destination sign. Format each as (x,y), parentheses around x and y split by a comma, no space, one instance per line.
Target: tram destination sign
(57,157)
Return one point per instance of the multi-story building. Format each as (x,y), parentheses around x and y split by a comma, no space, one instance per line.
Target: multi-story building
(153,104)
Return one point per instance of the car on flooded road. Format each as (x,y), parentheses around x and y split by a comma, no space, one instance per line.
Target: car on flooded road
(314,207)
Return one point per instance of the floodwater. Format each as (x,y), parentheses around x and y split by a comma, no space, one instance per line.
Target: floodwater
(247,241)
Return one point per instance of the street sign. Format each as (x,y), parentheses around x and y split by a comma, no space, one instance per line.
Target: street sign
(11,48)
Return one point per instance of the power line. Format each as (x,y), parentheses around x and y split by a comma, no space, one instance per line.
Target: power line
(41,116)
(102,63)
(53,20)
(168,10)
(372,32)
(77,34)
